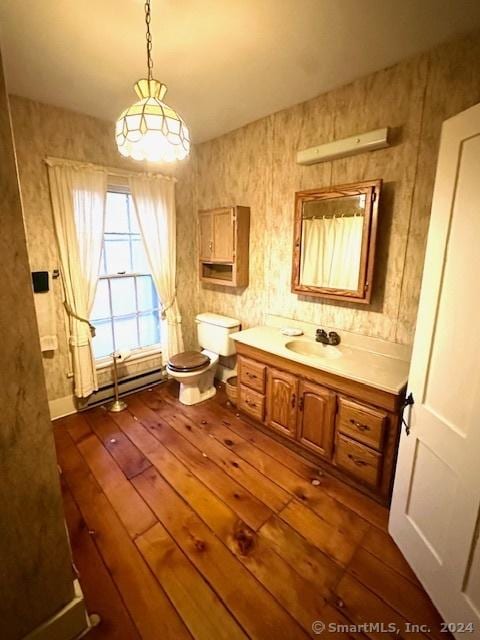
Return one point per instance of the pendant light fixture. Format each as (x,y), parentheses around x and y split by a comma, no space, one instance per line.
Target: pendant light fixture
(150,129)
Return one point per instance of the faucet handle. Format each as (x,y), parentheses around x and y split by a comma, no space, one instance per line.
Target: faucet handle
(321,336)
(333,338)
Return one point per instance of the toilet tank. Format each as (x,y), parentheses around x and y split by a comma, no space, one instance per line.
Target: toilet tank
(213,331)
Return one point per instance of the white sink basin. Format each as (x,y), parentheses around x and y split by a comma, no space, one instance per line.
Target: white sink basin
(314,349)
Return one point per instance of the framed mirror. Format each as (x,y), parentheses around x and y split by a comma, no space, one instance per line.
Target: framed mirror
(334,241)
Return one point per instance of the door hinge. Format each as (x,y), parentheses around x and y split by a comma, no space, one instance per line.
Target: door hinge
(408,402)
(374,196)
(300,403)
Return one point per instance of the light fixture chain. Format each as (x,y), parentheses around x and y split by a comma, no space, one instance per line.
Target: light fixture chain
(148,17)
(150,129)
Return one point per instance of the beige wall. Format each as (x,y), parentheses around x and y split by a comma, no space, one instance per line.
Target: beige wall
(255,166)
(36,577)
(41,130)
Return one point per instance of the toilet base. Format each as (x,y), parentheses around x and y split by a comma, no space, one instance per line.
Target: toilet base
(191,393)
(196,386)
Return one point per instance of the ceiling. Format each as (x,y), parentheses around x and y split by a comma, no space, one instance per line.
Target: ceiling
(225,62)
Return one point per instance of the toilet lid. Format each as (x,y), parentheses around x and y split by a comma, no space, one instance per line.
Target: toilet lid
(188,361)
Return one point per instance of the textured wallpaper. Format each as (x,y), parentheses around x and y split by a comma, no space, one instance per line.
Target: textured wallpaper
(255,166)
(41,130)
(37,579)
(234,170)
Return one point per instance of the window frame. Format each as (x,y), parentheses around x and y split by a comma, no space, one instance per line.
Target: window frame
(116,185)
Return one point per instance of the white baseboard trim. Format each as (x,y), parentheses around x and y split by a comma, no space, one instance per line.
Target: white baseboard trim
(69,623)
(61,407)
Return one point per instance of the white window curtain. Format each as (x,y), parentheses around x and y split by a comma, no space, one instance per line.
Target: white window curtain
(78,194)
(154,202)
(331,251)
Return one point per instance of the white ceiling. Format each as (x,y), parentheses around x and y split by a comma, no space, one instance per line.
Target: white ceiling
(225,62)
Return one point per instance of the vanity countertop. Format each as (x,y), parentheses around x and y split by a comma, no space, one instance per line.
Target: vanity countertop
(377,370)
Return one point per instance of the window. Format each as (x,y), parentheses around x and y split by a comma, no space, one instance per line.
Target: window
(126,308)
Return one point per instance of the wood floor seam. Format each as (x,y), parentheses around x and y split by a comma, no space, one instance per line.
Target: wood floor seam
(228,424)
(198,569)
(102,560)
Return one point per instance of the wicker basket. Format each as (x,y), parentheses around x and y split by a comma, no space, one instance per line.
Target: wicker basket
(231,389)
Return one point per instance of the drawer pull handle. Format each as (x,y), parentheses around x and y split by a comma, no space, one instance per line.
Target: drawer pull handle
(357,461)
(251,375)
(250,404)
(359,425)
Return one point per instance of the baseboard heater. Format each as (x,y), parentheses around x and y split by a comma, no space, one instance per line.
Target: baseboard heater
(126,385)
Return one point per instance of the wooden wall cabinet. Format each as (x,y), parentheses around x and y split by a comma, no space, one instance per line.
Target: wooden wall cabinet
(344,425)
(224,235)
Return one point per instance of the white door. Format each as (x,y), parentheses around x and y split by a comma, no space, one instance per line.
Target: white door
(435,509)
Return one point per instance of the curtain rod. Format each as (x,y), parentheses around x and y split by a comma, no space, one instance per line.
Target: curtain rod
(112,171)
(357,214)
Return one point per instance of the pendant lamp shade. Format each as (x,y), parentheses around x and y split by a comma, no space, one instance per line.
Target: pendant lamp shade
(150,129)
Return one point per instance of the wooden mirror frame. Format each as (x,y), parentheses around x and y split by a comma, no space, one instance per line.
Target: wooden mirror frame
(371,188)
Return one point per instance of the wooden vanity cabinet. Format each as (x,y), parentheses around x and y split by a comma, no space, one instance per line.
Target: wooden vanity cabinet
(347,426)
(282,393)
(223,240)
(316,418)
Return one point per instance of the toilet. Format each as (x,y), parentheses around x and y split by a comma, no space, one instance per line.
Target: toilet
(195,370)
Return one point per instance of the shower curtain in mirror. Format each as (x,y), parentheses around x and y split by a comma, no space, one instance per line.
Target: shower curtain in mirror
(78,194)
(331,251)
(154,202)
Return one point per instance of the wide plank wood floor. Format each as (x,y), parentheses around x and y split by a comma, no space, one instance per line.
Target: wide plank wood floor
(187,522)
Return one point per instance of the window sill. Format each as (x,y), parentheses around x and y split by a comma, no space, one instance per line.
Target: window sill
(137,356)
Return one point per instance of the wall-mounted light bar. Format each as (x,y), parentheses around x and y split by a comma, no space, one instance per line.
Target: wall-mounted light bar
(370,141)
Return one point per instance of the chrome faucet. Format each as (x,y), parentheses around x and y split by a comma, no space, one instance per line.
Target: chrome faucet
(331,338)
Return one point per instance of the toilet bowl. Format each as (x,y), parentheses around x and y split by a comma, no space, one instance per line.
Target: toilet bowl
(195,370)
(196,384)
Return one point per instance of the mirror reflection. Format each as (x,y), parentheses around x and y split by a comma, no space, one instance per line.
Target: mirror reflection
(334,241)
(331,242)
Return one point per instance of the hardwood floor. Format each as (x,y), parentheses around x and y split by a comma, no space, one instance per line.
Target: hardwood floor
(187,522)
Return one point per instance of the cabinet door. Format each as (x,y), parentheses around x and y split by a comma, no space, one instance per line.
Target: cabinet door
(282,402)
(223,234)
(316,418)
(206,235)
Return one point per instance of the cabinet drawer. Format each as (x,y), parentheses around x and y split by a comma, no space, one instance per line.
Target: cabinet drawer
(362,423)
(360,462)
(252,374)
(252,403)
